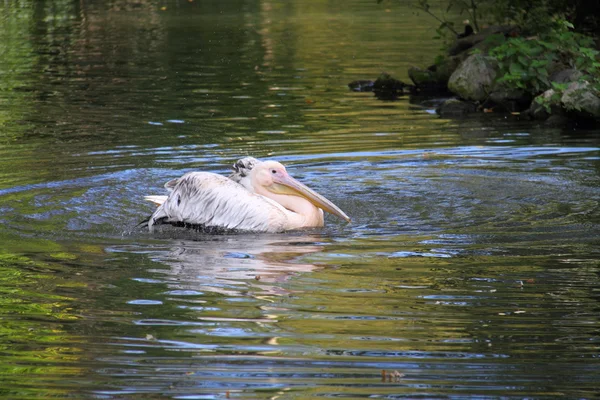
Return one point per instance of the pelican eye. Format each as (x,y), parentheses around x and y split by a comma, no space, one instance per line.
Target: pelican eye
(273,171)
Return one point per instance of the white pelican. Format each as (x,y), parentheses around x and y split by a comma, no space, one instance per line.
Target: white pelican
(260,196)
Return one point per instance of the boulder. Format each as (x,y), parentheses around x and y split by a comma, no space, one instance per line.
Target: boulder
(426,80)
(566,75)
(474,78)
(387,82)
(361,86)
(582,99)
(512,100)
(435,78)
(456,108)
(555,121)
(443,70)
(385,87)
(388,88)
(539,112)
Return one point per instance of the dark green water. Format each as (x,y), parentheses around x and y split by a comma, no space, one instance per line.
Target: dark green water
(471,266)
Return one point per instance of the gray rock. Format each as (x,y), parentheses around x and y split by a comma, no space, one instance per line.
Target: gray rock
(556,121)
(539,112)
(388,88)
(456,108)
(426,80)
(434,78)
(444,70)
(420,76)
(582,99)
(566,75)
(474,78)
(511,99)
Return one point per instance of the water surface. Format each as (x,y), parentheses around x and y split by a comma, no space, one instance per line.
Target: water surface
(470,268)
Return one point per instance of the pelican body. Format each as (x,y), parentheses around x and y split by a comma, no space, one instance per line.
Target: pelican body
(260,196)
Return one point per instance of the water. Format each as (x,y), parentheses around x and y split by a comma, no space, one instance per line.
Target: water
(470,268)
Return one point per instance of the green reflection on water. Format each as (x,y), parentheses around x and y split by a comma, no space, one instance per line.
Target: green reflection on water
(471,266)
(35,344)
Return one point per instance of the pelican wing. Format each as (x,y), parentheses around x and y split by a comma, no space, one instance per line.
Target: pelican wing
(211,200)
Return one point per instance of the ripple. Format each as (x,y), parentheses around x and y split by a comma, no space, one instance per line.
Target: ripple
(470,267)
(142,302)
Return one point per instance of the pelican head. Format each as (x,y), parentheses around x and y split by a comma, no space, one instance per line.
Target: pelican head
(270,179)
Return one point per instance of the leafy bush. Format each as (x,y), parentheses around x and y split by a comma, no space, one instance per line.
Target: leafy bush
(526,63)
(532,16)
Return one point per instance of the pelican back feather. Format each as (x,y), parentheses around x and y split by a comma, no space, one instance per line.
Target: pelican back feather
(241,171)
(211,200)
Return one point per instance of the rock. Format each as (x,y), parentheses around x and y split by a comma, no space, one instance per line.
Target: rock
(556,121)
(385,82)
(431,103)
(421,77)
(474,78)
(582,99)
(579,99)
(512,100)
(539,112)
(385,87)
(566,75)
(427,80)
(435,78)
(456,108)
(388,88)
(444,70)
(361,86)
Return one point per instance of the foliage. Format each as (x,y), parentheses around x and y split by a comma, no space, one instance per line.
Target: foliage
(547,43)
(526,63)
(553,98)
(532,16)
(471,9)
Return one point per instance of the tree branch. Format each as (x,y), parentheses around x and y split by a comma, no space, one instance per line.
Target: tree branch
(424,6)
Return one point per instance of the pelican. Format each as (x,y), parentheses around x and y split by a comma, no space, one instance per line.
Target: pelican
(260,196)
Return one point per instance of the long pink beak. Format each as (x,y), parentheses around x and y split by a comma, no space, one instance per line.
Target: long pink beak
(299,189)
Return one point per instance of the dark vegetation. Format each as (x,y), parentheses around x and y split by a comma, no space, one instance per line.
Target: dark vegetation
(539,57)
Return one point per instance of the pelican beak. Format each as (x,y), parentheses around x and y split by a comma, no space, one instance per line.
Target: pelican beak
(288,185)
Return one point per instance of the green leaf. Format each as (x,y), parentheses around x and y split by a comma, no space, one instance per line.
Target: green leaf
(547,45)
(516,69)
(535,51)
(539,63)
(559,86)
(541,71)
